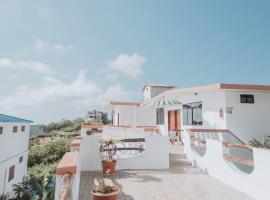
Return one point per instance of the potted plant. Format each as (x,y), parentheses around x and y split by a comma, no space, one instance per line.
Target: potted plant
(108,148)
(105,191)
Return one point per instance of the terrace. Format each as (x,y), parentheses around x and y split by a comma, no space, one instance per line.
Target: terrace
(180,181)
(213,164)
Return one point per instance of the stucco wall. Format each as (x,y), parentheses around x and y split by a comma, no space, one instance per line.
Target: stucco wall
(212,102)
(249,121)
(255,184)
(134,116)
(13,146)
(90,159)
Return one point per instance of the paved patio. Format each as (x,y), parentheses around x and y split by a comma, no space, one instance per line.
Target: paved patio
(181,181)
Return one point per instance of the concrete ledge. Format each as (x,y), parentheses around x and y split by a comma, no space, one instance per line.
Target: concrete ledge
(68,164)
(75,143)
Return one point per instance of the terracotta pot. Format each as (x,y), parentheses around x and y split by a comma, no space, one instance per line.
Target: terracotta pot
(110,196)
(108,166)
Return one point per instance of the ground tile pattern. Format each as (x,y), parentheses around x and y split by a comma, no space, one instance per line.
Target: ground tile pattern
(180,182)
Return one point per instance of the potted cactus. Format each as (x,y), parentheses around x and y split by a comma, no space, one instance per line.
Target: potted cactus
(108,148)
(105,191)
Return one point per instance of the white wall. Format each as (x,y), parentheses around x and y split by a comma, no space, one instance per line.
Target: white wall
(134,116)
(212,102)
(154,156)
(249,121)
(255,184)
(13,146)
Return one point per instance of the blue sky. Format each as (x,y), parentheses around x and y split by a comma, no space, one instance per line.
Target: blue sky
(61,58)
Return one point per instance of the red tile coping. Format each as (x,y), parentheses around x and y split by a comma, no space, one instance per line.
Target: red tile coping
(207,130)
(68,164)
(138,128)
(76,143)
(123,103)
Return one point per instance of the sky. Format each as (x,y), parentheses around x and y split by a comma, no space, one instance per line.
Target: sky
(60,58)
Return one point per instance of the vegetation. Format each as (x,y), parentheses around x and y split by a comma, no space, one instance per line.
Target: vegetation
(64,125)
(103,188)
(264,144)
(42,162)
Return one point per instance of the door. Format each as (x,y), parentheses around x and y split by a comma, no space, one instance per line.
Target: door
(174,120)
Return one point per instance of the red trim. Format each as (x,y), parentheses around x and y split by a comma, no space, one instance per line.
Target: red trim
(245,87)
(68,164)
(76,143)
(121,103)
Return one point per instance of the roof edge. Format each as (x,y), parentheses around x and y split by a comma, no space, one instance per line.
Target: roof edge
(17,118)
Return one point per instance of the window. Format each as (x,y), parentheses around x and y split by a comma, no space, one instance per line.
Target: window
(23,128)
(1,130)
(21,159)
(11,173)
(247,98)
(192,114)
(160,116)
(15,129)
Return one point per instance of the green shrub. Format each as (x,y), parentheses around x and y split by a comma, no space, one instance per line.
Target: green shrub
(264,144)
(48,152)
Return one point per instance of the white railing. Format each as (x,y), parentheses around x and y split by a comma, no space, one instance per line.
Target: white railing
(255,183)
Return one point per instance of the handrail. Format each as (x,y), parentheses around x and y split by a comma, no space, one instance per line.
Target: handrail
(245,146)
(134,140)
(125,148)
(239,159)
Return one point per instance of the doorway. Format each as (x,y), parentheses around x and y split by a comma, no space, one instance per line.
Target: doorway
(174,120)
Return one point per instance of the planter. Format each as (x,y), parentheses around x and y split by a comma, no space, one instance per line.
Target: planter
(108,166)
(109,196)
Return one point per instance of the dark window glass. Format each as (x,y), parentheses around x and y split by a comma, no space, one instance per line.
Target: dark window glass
(15,129)
(160,116)
(23,128)
(20,159)
(247,98)
(11,173)
(1,130)
(192,114)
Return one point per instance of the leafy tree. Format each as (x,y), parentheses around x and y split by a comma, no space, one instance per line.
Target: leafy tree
(48,152)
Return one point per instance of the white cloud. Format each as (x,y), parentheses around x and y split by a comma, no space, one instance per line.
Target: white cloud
(13,77)
(25,64)
(81,92)
(41,45)
(130,65)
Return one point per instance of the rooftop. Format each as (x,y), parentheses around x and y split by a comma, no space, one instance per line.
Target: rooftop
(180,181)
(7,118)
(158,86)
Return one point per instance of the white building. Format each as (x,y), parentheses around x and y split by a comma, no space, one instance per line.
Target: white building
(132,114)
(243,109)
(95,117)
(152,90)
(14,138)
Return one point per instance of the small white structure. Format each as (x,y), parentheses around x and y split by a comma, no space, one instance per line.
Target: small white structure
(14,138)
(152,90)
(132,114)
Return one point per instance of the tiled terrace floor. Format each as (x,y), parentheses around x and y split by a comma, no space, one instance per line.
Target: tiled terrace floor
(180,182)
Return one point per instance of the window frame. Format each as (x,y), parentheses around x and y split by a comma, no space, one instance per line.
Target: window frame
(247,98)
(160,116)
(15,129)
(23,128)
(189,114)
(20,159)
(11,173)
